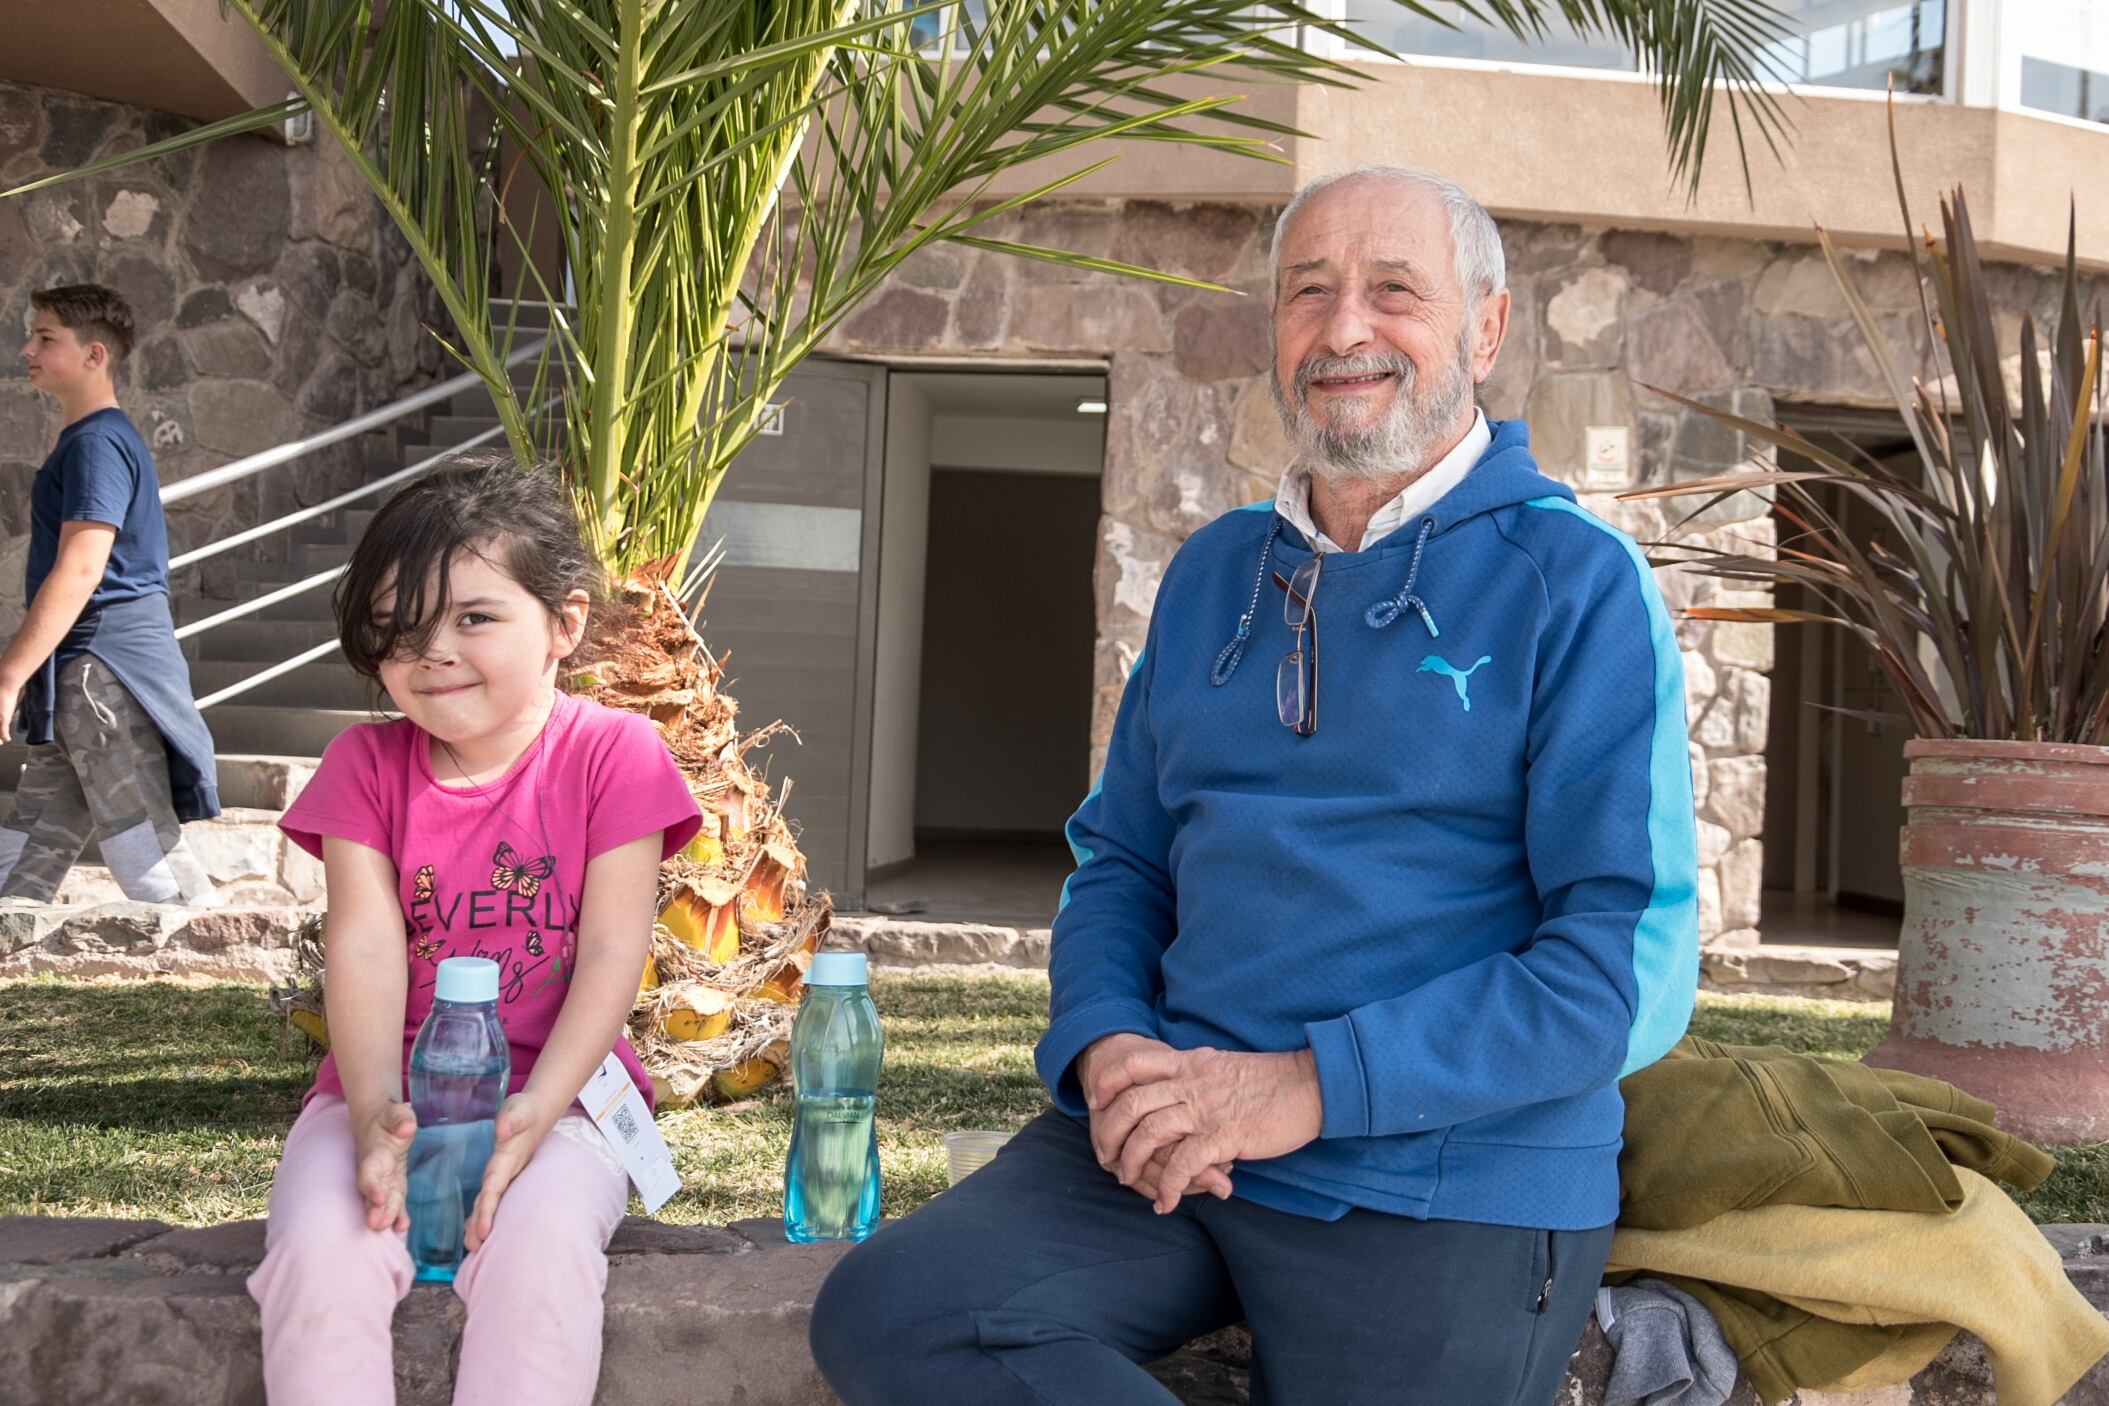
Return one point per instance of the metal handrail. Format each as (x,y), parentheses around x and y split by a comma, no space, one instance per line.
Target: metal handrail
(373,419)
(363,491)
(284,453)
(250,607)
(286,666)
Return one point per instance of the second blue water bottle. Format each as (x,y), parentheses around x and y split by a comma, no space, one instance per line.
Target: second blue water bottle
(459,1068)
(831,1184)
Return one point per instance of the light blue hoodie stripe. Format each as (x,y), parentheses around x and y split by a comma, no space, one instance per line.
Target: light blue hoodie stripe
(1666,940)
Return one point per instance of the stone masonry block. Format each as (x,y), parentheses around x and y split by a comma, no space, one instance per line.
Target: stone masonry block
(233,847)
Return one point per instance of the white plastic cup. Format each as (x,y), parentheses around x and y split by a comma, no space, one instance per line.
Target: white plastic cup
(968,1152)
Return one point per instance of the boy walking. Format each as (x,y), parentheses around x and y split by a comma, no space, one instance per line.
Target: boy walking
(94,680)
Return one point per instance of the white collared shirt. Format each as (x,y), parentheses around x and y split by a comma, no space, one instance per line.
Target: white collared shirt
(1293,499)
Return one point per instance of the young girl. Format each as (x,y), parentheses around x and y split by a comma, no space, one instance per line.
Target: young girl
(497,818)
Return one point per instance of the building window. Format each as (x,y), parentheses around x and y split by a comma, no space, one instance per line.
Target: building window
(1863,44)
(2065,90)
(1402,32)
(1831,43)
(929,28)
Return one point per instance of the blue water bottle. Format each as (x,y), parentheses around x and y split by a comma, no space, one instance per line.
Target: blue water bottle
(831,1184)
(458,1072)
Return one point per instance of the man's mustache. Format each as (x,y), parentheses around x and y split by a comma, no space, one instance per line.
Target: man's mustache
(1312,368)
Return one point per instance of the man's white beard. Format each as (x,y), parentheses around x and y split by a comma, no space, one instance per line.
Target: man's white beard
(1400,442)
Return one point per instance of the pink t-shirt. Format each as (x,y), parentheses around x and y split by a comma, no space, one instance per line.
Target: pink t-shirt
(497,871)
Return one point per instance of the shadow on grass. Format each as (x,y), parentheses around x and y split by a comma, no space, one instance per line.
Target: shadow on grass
(154,1058)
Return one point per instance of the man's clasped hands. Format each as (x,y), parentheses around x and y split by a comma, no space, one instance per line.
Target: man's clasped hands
(1169,1123)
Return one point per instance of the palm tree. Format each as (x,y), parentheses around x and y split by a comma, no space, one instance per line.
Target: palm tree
(735,177)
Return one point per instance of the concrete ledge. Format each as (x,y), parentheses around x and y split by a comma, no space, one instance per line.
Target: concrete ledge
(238,942)
(1777,969)
(907,942)
(1736,963)
(137,1313)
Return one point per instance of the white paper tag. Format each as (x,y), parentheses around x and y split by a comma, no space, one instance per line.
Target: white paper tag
(617,1109)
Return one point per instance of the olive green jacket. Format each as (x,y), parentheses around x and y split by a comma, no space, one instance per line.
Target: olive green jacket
(1713,1128)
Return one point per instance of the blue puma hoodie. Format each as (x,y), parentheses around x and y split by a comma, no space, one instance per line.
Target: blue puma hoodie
(1472,892)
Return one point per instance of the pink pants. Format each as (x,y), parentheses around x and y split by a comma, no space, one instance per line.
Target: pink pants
(328,1286)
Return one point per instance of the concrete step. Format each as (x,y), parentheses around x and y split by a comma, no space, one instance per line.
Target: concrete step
(312,604)
(328,683)
(343,525)
(258,642)
(477,403)
(1785,969)
(305,559)
(244,852)
(247,727)
(459,426)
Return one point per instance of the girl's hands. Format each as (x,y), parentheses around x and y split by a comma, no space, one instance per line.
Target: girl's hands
(522,1123)
(383,1142)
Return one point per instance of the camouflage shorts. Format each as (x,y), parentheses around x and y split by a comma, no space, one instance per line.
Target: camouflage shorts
(104,776)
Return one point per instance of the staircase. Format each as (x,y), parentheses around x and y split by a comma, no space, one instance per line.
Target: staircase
(266,739)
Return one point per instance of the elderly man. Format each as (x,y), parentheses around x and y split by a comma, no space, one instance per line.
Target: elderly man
(1342,985)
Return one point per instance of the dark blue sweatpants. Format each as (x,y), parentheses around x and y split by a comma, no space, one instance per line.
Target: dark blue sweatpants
(1042,1279)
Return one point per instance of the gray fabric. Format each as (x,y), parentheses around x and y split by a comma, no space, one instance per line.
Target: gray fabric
(1669,1350)
(137,639)
(105,774)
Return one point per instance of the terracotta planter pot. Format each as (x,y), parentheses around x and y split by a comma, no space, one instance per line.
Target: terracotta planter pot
(2003,962)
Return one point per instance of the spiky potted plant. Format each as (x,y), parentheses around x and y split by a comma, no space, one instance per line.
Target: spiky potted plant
(1984,596)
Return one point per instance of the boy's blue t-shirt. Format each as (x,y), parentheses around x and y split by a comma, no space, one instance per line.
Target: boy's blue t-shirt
(101,471)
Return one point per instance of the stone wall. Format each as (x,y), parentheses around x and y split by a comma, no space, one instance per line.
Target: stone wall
(274,299)
(1192,433)
(104,1312)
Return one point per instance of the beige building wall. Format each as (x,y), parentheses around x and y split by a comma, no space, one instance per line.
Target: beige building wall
(184,57)
(1558,146)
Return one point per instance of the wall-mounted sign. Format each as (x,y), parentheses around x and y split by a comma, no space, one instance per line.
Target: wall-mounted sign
(1606,457)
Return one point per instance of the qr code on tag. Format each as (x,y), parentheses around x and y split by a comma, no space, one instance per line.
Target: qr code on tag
(625,1124)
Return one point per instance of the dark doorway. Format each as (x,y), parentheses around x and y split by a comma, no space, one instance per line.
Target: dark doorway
(1834,758)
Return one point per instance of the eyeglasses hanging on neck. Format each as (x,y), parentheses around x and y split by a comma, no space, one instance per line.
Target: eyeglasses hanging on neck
(1296,677)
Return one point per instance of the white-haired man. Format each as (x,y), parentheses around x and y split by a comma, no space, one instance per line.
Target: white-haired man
(1340,999)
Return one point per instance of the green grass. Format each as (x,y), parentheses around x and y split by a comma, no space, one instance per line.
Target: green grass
(171,1101)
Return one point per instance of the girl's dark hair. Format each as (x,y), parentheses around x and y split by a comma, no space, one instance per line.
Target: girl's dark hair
(519,520)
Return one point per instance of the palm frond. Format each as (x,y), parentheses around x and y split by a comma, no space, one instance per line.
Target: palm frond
(728,181)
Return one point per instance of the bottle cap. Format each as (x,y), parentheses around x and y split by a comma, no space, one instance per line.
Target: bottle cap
(837,969)
(467,979)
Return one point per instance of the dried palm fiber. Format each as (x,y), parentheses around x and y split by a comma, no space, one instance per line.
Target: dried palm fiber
(300,1000)
(736,923)
(737,926)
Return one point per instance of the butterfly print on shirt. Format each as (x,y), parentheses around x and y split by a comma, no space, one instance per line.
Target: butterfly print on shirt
(524,877)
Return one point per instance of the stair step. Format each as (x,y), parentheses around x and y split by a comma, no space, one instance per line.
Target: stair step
(258,642)
(460,426)
(307,558)
(327,683)
(342,527)
(313,604)
(243,726)
(477,401)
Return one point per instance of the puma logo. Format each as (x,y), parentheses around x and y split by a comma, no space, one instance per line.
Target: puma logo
(1462,678)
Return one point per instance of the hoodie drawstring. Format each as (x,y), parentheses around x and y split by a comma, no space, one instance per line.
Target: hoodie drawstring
(1234,653)
(1386,611)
